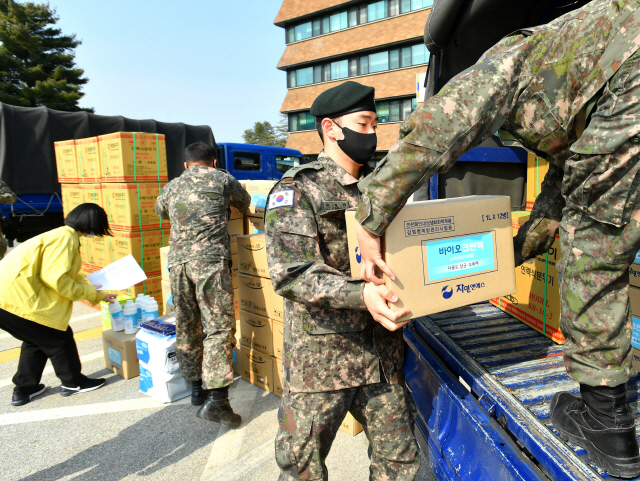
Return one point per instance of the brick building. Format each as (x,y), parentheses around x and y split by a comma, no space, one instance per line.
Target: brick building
(377,43)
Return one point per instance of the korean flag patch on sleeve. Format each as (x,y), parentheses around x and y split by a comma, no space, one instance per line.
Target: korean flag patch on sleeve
(281,199)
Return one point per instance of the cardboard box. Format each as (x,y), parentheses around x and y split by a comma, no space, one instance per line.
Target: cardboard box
(257,368)
(235,214)
(234,270)
(66,163)
(254,294)
(252,255)
(634,274)
(446,253)
(255,332)
(120,353)
(277,328)
(91,193)
(259,190)
(133,157)
(131,206)
(537,168)
(350,425)
(100,252)
(164,263)
(236,304)
(538,290)
(277,377)
(275,307)
(143,245)
(253,225)
(71,197)
(235,228)
(151,287)
(88,157)
(167,298)
(635,358)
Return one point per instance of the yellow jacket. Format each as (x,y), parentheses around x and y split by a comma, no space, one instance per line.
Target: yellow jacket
(40,279)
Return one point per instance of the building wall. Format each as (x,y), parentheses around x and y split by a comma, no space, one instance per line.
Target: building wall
(409,26)
(308,141)
(291,9)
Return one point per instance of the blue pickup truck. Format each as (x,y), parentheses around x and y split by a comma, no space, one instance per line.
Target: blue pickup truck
(257,162)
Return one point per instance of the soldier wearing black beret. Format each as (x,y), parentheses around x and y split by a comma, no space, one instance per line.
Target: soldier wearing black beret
(343,351)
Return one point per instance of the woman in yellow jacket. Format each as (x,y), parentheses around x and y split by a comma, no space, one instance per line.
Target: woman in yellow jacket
(39,281)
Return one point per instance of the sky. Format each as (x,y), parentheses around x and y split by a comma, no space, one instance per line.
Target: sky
(199,62)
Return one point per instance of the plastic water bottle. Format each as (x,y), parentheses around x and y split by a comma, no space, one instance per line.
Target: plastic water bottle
(117,316)
(139,306)
(130,318)
(151,309)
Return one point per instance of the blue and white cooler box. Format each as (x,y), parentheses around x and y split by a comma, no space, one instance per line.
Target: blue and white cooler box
(160,375)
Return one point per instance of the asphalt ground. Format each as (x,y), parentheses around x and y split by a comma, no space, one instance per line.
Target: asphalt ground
(117,432)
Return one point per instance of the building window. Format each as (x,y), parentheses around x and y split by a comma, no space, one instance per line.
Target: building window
(246,161)
(367,64)
(388,111)
(299,121)
(367,12)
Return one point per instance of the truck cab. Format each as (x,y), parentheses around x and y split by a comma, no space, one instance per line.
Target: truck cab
(257,162)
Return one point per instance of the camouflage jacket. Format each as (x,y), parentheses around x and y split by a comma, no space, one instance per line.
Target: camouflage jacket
(330,340)
(535,84)
(6,195)
(197,204)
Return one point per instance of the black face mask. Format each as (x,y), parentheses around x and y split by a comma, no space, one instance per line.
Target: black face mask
(359,147)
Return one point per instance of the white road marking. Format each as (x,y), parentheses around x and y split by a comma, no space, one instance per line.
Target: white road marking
(49,369)
(85,410)
(4,335)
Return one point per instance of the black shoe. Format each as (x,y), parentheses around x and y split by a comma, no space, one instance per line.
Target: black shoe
(601,422)
(22,399)
(218,410)
(88,385)
(198,395)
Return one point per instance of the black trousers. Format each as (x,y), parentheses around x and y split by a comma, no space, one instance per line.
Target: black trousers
(40,343)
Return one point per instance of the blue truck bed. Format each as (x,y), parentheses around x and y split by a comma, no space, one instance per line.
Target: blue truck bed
(482,382)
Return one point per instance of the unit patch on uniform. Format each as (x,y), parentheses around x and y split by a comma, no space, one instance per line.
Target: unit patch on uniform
(330,205)
(281,199)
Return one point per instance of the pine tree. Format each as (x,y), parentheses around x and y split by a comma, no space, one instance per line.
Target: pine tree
(263,133)
(37,62)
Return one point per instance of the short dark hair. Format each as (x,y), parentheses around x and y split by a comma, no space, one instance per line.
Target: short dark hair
(200,152)
(89,218)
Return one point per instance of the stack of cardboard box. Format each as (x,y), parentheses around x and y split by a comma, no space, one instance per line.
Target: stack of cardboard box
(123,172)
(634,300)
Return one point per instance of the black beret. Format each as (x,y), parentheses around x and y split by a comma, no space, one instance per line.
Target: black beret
(344,99)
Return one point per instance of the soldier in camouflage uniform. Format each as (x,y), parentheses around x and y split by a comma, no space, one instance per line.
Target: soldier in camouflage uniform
(6,197)
(570,92)
(336,357)
(197,204)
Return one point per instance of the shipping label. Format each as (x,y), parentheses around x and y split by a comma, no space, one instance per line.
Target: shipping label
(114,356)
(259,200)
(635,335)
(429,226)
(458,256)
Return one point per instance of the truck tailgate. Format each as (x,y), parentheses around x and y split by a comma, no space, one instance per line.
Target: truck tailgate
(512,372)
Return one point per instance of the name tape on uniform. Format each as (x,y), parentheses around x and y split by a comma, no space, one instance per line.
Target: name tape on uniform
(281,199)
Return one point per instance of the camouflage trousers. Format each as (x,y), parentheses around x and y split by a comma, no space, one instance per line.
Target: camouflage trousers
(595,310)
(203,299)
(309,423)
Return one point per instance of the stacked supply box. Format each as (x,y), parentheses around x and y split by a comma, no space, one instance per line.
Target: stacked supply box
(261,316)
(537,298)
(124,173)
(537,168)
(634,301)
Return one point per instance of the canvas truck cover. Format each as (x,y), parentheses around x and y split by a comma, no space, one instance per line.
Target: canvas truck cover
(27,134)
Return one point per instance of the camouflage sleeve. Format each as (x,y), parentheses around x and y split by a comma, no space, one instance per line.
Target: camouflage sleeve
(468,109)
(536,236)
(6,194)
(297,268)
(162,209)
(238,196)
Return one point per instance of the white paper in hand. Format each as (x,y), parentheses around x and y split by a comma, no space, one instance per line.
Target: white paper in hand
(119,275)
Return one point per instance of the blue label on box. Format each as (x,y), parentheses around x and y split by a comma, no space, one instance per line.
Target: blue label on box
(234,357)
(142,350)
(458,256)
(635,335)
(259,200)
(146,380)
(256,231)
(114,356)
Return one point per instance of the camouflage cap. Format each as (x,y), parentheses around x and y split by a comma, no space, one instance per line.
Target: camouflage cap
(344,99)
